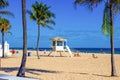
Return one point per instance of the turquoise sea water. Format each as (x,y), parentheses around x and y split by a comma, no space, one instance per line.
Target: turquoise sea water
(88,50)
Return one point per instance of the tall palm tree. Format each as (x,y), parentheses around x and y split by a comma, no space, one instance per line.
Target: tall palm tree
(43,16)
(111,6)
(4,27)
(21,72)
(4,22)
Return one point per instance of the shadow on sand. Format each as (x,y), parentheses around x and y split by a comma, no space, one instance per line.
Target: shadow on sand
(29,70)
(93,74)
(79,73)
(104,75)
(38,71)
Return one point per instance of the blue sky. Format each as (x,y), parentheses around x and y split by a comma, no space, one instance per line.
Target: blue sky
(80,26)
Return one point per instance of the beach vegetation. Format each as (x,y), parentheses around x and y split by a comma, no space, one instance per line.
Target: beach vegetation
(43,16)
(111,7)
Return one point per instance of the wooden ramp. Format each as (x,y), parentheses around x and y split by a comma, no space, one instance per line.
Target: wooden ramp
(8,77)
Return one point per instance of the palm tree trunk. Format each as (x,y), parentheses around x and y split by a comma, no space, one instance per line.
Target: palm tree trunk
(3,45)
(38,40)
(113,70)
(21,72)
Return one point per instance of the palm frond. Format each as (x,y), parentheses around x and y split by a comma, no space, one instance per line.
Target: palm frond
(116,6)
(9,32)
(106,27)
(32,17)
(50,21)
(3,3)
(88,3)
(4,25)
(6,13)
(42,14)
(106,20)
(42,23)
(50,27)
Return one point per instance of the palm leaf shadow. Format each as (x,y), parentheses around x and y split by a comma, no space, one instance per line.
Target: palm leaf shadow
(91,74)
(29,70)
(101,75)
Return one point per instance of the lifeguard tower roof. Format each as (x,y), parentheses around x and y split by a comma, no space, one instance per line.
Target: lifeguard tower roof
(58,39)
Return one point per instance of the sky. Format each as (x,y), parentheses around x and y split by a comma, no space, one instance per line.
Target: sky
(81,27)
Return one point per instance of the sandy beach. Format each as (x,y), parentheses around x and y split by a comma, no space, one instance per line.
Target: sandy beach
(84,67)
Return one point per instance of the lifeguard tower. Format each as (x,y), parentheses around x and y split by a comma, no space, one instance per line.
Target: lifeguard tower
(60,45)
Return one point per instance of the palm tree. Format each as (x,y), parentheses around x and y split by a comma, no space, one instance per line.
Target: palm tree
(111,6)
(3,4)
(42,15)
(4,22)
(4,27)
(108,28)
(21,72)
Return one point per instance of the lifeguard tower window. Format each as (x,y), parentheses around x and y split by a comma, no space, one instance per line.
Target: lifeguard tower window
(53,43)
(59,43)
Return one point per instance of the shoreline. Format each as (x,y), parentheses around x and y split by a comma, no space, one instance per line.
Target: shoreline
(48,51)
(83,50)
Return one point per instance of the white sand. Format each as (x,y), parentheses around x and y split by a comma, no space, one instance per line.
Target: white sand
(84,67)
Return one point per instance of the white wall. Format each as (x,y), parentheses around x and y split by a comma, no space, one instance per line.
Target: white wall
(6,48)
(59,48)
(0,50)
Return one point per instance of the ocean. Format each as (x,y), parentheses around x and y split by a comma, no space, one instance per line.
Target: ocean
(85,50)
